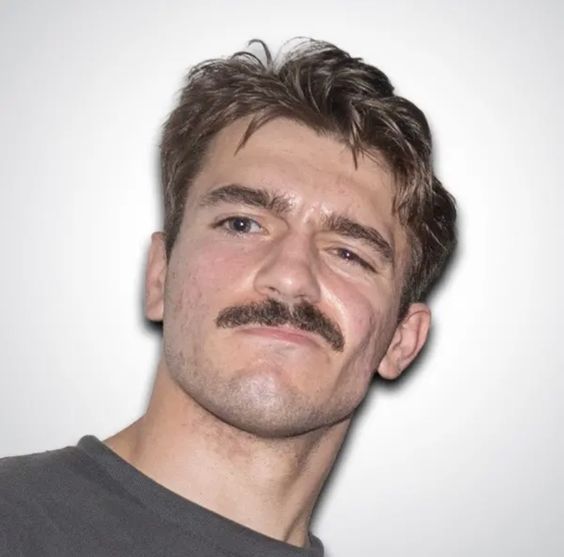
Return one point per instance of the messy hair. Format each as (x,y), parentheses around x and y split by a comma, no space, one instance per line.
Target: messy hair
(319,85)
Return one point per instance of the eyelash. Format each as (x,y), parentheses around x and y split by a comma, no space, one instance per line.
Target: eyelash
(354,258)
(222,222)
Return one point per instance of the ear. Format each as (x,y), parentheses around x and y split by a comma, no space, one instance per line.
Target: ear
(155,278)
(408,339)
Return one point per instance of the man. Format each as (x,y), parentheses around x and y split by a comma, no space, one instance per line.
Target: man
(303,228)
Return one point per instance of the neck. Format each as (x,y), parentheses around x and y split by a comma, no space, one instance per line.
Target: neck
(268,485)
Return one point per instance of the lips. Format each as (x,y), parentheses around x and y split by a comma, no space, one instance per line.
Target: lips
(285,334)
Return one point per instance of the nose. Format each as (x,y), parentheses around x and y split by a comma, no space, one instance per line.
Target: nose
(289,272)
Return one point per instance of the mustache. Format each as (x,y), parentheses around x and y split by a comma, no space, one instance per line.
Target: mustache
(271,313)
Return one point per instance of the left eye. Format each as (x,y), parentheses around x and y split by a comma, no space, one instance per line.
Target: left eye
(239,225)
(352,257)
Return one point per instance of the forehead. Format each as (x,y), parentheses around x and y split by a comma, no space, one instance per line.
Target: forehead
(317,173)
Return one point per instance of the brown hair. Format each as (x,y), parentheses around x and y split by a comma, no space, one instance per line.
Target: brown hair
(323,87)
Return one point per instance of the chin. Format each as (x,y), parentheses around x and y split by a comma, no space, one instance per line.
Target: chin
(265,404)
(266,393)
(266,425)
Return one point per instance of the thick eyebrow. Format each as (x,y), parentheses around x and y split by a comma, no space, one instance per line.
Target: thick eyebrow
(244,195)
(281,205)
(351,229)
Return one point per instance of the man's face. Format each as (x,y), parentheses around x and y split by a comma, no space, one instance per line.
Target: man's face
(282,289)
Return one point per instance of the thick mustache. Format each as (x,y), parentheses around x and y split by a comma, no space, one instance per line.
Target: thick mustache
(272,313)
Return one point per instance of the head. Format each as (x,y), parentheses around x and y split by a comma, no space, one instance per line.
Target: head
(299,196)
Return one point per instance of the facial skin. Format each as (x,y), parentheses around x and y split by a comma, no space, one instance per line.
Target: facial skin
(248,270)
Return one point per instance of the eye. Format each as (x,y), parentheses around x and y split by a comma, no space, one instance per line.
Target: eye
(239,225)
(352,257)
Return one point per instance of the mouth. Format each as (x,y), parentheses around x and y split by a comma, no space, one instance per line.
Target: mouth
(284,334)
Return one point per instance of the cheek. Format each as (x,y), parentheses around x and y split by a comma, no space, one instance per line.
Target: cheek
(201,281)
(366,316)
(360,308)
(366,334)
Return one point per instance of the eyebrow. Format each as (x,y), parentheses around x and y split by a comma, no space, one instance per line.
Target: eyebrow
(253,197)
(281,205)
(345,226)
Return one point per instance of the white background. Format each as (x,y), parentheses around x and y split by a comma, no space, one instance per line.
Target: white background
(463,457)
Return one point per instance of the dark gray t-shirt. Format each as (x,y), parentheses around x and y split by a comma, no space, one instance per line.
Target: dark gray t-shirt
(86,500)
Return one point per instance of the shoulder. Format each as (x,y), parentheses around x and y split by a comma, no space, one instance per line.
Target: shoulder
(35,480)
(25,471)
(23,478)
(43,495)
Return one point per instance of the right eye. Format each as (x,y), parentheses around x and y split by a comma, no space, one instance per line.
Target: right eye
(239,225)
